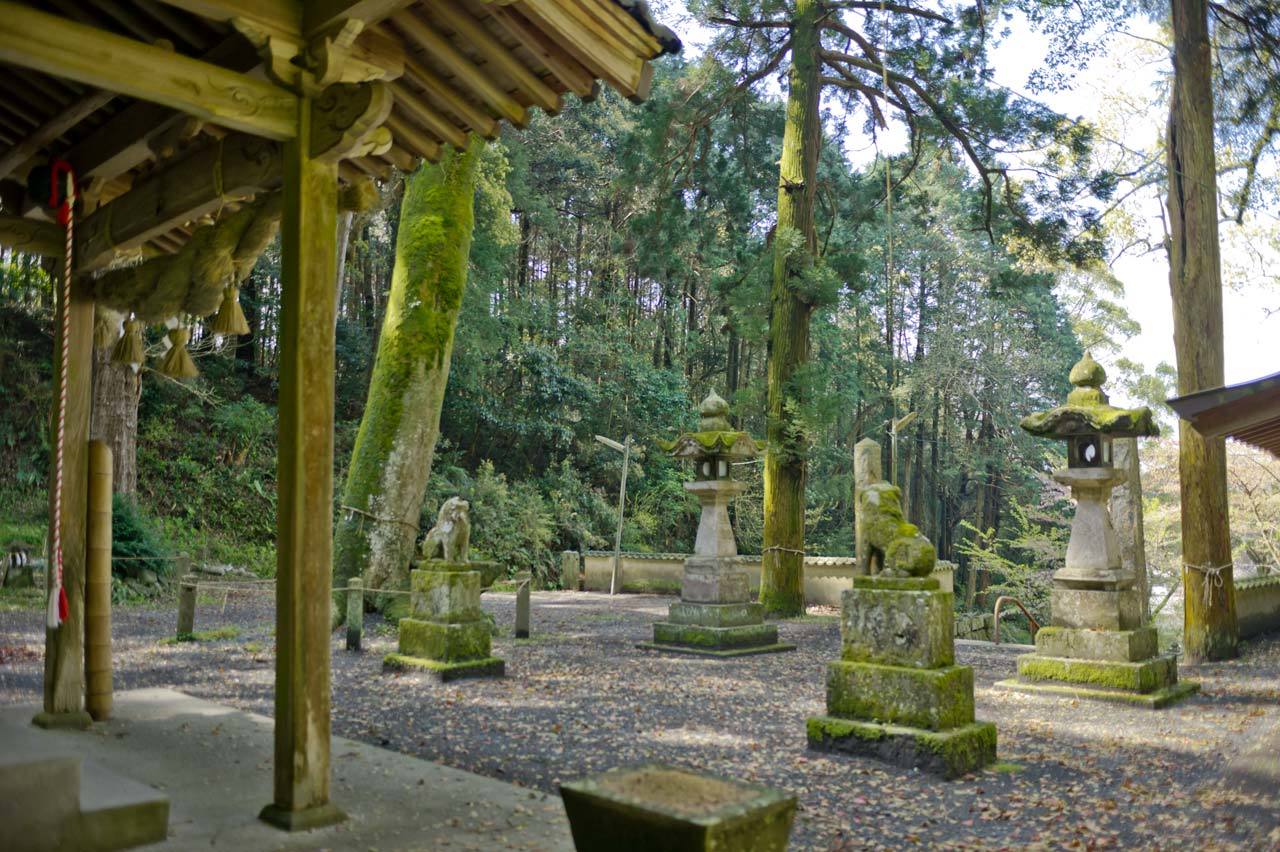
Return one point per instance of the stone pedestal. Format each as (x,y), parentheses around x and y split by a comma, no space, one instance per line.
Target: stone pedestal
(447,635)
(1098,645)
(896,693)
(716,616)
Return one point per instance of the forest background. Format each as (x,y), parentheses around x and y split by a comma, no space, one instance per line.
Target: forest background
(620,270)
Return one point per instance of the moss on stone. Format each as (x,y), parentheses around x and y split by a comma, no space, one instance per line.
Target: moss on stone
(700,636)
(446,671)
(444,642)
(950,753)
(935,699)
(1144,676)
(961,750)
(1154,700)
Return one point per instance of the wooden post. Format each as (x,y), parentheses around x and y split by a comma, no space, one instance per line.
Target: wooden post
(615,578)
(64,645)
(187,589)
(97,590)
(523,579)
(355,613)
(304,477)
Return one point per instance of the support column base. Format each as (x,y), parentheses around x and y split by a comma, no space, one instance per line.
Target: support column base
(1155,700)
(78,720)
(303,820)
(947,754)
(703,640)
(443,672)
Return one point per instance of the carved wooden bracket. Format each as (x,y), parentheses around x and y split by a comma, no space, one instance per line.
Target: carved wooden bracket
(346,121)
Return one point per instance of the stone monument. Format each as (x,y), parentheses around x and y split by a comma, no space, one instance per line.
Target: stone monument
(716,616)
(446,634)
(896,693)
(1098,644)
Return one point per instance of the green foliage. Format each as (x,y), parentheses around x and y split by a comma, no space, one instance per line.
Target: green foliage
(136,543)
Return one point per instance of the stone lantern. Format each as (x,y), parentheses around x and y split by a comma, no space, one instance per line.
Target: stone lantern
(715,615)
(1097,645)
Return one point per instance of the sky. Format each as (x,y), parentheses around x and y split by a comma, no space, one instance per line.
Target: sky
(1122,92)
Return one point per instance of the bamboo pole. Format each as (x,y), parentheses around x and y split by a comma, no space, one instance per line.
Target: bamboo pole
(97,592)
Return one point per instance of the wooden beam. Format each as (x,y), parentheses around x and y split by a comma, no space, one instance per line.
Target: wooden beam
(51,130)
(122,143)
(321,15)
(589,43)
(433,121)
(464,70)
(227,169)
(31,236)
(304,487)
(283,16)
(64,646)
(410,137)
(565,68)
(63,48)
(496,54)
(478,121)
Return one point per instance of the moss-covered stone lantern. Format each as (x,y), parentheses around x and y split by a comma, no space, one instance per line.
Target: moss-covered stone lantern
(1097,645)
(716,615)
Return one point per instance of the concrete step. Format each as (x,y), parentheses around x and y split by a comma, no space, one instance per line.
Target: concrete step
(118,812)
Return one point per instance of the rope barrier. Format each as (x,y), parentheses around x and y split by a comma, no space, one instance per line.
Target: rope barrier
(364,514)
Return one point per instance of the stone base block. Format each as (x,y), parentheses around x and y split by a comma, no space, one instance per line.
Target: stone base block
(949,754)
(1144,676)
(303,820)
(897,584)
(935,699)
(444,672)
(882,623)
(710,579)
(1154,700)
(445,595)
(711,652)
(449,643)
(1080,643)
(1099,609)
(715,638)
(717,615)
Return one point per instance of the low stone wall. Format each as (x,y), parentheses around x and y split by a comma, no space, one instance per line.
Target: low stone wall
(977,626)
(1258,605)
(825,577)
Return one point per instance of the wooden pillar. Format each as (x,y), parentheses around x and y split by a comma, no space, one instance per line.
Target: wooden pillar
(355,613)
(97,590)
(304,475)
(64,646)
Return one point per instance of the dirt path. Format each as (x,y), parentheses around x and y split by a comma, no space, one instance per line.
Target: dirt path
(579,697)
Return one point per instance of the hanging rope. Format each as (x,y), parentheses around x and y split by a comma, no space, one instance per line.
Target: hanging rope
(62,201)
(1212,580)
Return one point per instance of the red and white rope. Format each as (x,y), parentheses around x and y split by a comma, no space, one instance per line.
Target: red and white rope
(57,612)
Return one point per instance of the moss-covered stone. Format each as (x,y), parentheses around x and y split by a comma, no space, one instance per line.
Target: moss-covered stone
(1085,644)
(449,643)
(728,816)
(949,754)
(898,627)
(1144,676)
(699,636)
(445,671)
(935,699)
(1154,700)
(906,584)
(445,595)
(716,615)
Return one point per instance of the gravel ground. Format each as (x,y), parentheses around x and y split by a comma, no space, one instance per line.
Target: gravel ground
(580,697)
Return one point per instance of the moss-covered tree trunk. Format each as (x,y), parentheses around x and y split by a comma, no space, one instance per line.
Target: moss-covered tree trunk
(391,461)
(795,244)
(1195,279)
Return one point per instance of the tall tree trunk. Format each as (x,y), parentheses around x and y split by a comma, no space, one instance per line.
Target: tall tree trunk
(795,246)
(247,344)
(114,418)
(391,461)
(1195,281)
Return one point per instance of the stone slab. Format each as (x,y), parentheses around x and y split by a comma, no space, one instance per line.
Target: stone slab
(949,754)
(898,627)
(452,596)
(447,643)
(1145,676)
(206,758)
(1154,700)
(444,671)
(716,615)
(901,584)
(714,580)
(715,638)
(721,654)
(1100,609)
(1126,646)
(935,699)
